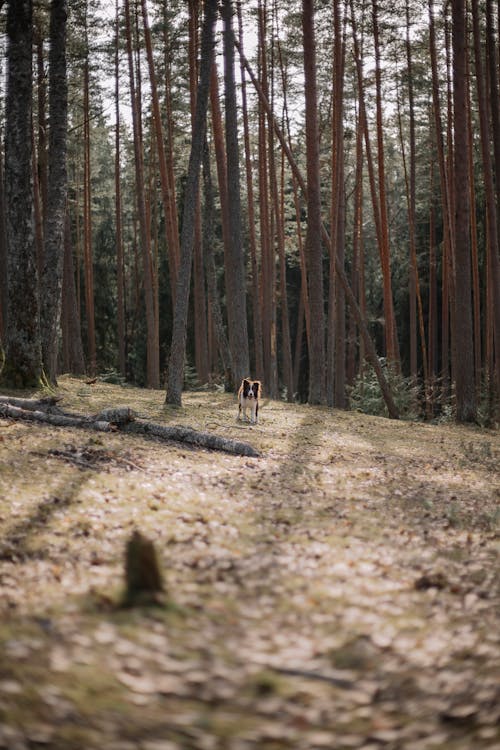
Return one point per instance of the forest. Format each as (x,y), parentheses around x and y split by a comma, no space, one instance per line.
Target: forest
(301,192)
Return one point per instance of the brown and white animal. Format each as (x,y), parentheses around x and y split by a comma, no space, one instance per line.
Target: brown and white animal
(248,396)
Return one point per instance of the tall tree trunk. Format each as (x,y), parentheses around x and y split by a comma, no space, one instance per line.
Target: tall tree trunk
(169,149)
(256,309)
(336,354)
(448,283)
(448,228)
(285,322)
(363,124)
(120,268)
(409,175)
(392,348)
(432,334)
(314,224)
(220,159)
(268,270)
(235,263)
(3,255)
(72,348)
(23,356)
(199,297)
(463,339)
(303,311)
(42,161)
(476,290)
(52,278)
(168,197)
(411,202)
(494,248)
(87,226)
(152,343)
(37,207)
(358,262)
(211,271)
(178,346)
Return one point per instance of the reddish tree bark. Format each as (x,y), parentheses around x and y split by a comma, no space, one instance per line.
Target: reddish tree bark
(314,248)
(463,339)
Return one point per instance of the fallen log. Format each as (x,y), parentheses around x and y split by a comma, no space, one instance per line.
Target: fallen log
(47,403)
(121,419)
(56,419)
(192,437)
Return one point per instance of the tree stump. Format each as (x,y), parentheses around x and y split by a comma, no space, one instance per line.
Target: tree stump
(143,578)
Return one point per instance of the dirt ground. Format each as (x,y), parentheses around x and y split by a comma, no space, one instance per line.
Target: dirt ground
(340,591)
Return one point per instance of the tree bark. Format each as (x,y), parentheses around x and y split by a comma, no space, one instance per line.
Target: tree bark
(494,248)
(87,226)
(463,339)
(3,255)
(256,295)
(172,235)
(199,297)
(52,277)
(152,343)
(23,356)
(235,262)
(268,270)
(392,347)
(336,353)
(72,349)
(220,161)
(314,224)
(178,345)
(211,271)
(448,228)
(120,268)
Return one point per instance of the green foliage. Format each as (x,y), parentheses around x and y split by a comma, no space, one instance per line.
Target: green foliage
(191,382)
(366,396)
(110,375)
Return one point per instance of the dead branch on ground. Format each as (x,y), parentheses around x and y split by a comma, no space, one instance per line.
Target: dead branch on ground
(121,419)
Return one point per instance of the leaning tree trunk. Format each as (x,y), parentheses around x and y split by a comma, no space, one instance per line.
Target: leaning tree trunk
(369,347)
(178,345)
(52,276)
(23,363)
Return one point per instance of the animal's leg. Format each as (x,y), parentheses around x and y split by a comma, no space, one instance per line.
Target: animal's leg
(254,412)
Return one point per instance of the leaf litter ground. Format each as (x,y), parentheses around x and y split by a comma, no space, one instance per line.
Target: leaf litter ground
(341,591)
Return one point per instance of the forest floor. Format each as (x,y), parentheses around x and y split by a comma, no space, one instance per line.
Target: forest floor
(340,591)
